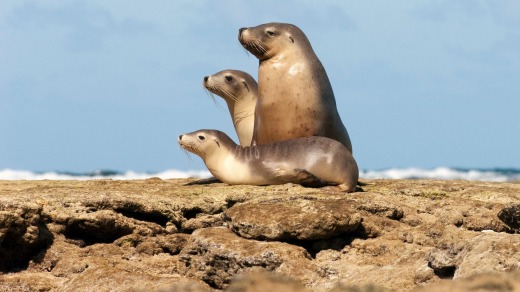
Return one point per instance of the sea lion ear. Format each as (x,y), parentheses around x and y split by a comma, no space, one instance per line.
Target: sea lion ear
(245,84)
(292,40)
(218,144)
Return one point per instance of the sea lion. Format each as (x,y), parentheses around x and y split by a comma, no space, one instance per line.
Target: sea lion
(296,98)
(240,91)
(309,161)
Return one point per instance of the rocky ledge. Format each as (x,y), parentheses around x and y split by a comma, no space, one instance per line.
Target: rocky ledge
(159,235)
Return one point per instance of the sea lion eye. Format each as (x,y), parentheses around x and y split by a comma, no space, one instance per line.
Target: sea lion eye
(228,78)
(202,138)
(270,33)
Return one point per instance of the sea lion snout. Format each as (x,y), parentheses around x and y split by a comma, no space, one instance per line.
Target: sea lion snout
(180,137)
(206,78)
(241,30)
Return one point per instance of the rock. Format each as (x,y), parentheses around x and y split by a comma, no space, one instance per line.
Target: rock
(170,243)
(460,255)
(508,281)
(158,214)
(489,252)
(215,255)
(424,275)
(98,227)
(105,278)
(358,288)
(298,219)
(261,281)
(23,234)
(29,282)
(511,216)
(160,235)
(203,221)
(442,262)
(382,208)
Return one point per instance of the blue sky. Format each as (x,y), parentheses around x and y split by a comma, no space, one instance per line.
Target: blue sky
(88,85)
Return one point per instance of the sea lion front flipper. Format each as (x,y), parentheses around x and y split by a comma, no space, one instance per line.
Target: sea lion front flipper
(204,181)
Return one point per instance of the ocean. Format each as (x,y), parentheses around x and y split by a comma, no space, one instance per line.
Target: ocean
(490,175)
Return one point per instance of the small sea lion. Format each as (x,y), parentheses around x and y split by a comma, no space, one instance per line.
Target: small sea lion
(309,161)
(240,91)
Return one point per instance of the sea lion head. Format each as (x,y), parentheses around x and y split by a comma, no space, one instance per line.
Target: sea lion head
(271,39)
(205,143)
(230,84)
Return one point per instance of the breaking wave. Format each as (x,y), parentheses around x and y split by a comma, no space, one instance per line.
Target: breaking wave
(445,173)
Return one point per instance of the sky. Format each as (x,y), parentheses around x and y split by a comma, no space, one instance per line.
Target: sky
(87,85)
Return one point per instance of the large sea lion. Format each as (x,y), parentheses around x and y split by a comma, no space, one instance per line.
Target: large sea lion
(296,98)
(240,91)
(309,161)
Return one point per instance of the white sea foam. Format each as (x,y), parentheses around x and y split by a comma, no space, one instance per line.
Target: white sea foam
(492,175)
(9,174)
(443,173)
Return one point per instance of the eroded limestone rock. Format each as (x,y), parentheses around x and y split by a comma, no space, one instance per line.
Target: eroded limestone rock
(152,234)
(215,255)
(511,216)
(298,219)
(23,234)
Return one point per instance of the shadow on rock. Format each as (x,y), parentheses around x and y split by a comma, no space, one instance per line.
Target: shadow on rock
(23,237)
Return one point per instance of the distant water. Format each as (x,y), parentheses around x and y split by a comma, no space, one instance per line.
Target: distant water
(9,174)
(492,175)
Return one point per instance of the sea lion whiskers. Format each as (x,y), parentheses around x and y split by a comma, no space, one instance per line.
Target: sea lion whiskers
(228,93)
(256,45)
(188,154)
(261,47)
(218,89)
(248,53)
(212,96)
(192,147)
